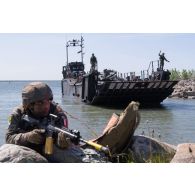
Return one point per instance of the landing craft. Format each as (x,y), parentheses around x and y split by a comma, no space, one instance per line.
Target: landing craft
(110,88)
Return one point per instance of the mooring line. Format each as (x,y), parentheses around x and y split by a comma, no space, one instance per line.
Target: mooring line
(91,131)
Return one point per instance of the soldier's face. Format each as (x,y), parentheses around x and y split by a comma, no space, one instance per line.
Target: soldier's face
(41,108)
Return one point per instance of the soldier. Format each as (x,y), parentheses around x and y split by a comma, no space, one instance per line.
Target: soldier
(36,103)
(162,59)
(93,62)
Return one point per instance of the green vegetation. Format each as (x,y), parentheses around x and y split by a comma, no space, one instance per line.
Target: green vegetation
(182,75)
(160,158)
(152,158)
(131,157)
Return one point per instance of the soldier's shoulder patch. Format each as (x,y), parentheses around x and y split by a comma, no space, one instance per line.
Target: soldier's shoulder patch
(10,119)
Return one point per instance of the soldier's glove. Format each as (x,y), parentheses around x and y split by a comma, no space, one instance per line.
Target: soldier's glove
(63,141)
(36,136)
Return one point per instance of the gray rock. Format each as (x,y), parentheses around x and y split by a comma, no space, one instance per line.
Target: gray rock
(184,89)
(147,149)
(76,155)
(190,93)
(185,153)
(92,156)
(12,153)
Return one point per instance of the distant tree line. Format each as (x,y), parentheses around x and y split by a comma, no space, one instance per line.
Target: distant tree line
(182,75)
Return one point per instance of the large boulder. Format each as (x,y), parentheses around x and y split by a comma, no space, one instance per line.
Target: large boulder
(12,153)
(185,153)
(147,149)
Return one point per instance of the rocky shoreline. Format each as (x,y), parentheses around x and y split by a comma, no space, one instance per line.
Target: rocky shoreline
(141,149)
(184,89)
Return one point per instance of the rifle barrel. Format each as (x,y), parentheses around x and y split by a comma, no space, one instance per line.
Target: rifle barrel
(64,131)
(90,143)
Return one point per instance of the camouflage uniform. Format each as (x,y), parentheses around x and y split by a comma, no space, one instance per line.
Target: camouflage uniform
(18,126)
(37,104)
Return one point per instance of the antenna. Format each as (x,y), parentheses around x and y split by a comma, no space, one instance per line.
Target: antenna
(75,43)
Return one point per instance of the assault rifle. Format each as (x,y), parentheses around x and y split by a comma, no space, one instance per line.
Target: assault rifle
(74,135)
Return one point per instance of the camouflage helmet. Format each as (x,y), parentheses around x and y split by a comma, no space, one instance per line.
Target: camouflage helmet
(36,91)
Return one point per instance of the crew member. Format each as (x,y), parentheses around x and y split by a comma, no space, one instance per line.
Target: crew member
(162,59)
(93,62)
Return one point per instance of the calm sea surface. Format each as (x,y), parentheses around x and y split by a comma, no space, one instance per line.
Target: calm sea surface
(174,122)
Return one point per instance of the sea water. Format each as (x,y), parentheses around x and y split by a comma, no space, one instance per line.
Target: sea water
(173,122)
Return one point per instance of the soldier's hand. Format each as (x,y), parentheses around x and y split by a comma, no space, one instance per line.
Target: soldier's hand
(63,141)
(36,136)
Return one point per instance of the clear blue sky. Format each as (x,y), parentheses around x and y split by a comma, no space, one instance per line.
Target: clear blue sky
(41,56)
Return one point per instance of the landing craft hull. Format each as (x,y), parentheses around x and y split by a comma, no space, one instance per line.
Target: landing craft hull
(70,87)
(117,93)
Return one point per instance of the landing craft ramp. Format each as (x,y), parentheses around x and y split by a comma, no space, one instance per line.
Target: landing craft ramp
(121,93)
